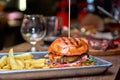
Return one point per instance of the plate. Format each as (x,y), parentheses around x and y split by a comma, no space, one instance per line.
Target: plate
(108,52)
(100,66)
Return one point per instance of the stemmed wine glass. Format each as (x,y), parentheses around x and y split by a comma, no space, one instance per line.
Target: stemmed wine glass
(33,29)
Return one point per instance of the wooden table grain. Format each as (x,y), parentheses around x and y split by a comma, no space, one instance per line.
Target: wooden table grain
(110,74)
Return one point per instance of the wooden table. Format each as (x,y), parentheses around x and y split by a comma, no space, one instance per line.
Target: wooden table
(109,75)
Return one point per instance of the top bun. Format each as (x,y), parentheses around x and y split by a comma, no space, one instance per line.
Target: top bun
(64,46)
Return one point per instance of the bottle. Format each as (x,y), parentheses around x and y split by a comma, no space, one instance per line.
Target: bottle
(82,10)
(62,11)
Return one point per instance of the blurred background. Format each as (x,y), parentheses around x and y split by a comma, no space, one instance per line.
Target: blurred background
(12,11)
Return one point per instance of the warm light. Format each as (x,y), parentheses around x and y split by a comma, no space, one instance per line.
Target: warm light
(22,5)
(2,5)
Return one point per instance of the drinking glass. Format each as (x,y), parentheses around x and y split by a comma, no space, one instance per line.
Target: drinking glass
(33,29)
(54,29)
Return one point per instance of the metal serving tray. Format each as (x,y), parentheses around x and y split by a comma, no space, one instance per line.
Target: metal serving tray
(99,67)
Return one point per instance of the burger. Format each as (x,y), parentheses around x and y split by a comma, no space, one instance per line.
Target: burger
(69,51)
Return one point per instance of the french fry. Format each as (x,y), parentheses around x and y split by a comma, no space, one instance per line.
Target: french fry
(29,61)
(27,66)
(3,61)
(7,67)
(46,56)
(40,65)
(13,63)
(3,69)
(39,61)
(24,56)
(46,66)
(20,63)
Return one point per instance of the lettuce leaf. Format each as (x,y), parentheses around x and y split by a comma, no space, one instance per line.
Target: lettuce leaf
(91,60)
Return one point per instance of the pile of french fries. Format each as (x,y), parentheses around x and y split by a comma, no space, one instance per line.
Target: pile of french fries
(21,61)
